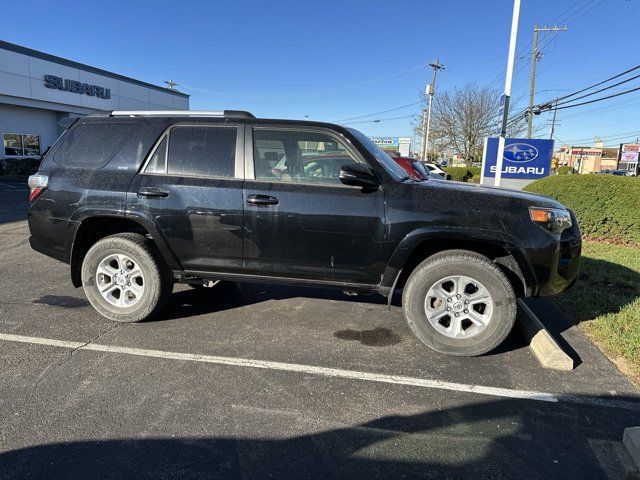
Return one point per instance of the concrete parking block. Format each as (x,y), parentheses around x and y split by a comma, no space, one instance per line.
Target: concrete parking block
(546,350)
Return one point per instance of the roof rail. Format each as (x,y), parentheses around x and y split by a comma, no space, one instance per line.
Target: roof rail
(182,113)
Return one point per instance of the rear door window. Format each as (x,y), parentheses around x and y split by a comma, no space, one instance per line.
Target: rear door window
(93,145)
(157,162)
(202,151)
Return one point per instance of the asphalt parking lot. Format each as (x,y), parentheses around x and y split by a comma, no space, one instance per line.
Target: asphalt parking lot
(256,381)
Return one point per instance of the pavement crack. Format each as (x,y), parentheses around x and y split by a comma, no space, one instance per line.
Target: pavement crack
(66,358)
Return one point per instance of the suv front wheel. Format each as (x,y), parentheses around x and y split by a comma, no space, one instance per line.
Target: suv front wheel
(459,303)
(124,280)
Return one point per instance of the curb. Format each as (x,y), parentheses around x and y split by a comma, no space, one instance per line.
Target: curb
(544,347)
(631,441)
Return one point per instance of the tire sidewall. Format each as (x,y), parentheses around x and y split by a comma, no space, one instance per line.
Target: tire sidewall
(150,273)
(504,306)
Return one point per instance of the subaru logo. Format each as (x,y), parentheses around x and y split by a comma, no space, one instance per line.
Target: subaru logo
(520,152)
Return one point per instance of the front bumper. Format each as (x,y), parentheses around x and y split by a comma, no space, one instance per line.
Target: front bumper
(565,265)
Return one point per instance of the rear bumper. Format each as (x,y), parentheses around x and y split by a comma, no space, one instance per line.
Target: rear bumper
(50,252)
(48,235)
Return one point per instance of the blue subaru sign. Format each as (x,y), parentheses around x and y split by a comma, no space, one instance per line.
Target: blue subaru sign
(523,158)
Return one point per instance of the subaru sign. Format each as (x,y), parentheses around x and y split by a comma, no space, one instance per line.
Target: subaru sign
(523,158)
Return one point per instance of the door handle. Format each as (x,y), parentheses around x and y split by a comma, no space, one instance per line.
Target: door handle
(152,192)
(262,200)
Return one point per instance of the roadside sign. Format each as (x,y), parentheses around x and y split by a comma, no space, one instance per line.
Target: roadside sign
(386,142)
(523,158)
(404,146)
(629,156)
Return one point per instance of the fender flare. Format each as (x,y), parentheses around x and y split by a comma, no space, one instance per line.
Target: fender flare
(144,220)
(516,259)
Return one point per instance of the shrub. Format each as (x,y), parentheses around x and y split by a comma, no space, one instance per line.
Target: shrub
(606,206)
(19,166)
(565,170)
(464,174)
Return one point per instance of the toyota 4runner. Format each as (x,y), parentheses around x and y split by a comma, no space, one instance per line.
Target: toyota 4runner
(136,201)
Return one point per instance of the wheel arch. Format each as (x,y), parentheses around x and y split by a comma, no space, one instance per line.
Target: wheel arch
(93,228)
(419,245)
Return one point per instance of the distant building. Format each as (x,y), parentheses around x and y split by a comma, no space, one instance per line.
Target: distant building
(586,159)
(41,94)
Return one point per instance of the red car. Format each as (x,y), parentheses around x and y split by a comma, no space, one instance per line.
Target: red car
(407,166)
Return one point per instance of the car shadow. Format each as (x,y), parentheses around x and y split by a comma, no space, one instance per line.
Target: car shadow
(188,302)
(506,438)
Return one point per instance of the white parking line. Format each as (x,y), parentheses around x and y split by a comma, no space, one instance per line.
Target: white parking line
(288,367)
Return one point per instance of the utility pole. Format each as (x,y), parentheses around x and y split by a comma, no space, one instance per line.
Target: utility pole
(430,90)
(553,122)
(534,59)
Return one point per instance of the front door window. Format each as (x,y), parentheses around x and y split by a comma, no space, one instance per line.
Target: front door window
(299,156)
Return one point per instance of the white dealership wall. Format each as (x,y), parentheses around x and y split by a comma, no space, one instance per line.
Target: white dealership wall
(27,106)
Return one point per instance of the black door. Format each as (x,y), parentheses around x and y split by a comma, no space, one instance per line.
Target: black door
(192,188)
(300,220)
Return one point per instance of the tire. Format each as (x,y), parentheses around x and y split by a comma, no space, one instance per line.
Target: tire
(148,288)
(481,324)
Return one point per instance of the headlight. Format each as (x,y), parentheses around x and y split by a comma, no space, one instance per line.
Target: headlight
(553,219)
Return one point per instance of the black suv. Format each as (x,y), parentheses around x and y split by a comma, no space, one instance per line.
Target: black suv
(135,201)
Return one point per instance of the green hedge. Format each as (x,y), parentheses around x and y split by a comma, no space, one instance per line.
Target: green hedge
(464,174)
(607,207)
(19,166)
(564,170)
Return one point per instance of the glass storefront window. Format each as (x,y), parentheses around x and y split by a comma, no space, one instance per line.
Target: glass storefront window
(31,145)
(21,145)
(12,144)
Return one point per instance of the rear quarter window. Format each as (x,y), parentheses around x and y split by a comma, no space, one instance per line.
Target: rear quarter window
(93,145)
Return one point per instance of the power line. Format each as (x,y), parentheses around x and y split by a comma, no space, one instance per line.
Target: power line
(568,104)
(589,39)
(610,108)
(521,54)
(608,137)
(378,120)
(597,91)
(305,94)
(378,113)
(631,90)
(603,81)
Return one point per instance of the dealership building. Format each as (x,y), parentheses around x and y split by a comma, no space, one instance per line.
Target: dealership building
(40,94)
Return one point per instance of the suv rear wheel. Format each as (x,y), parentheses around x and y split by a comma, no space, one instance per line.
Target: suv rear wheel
(124,280)
(459,303)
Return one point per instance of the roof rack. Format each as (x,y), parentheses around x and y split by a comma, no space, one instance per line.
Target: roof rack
(182,113)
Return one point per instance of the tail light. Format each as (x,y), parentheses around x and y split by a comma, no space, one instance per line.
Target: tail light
(37,183)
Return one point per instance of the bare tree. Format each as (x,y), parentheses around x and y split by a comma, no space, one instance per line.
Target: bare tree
(462,118)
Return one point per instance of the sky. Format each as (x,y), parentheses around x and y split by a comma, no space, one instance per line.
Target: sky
(335,60)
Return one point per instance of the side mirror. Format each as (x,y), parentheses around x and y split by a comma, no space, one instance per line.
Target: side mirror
(448,177)
(358,175)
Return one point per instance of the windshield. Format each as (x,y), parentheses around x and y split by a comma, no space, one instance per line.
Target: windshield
(387,162)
